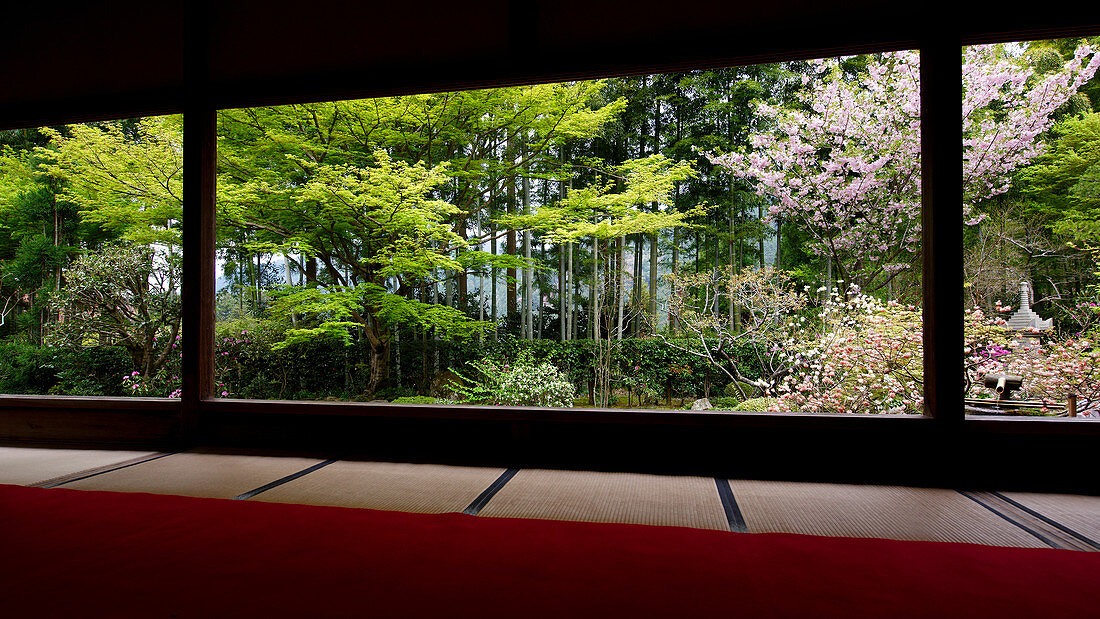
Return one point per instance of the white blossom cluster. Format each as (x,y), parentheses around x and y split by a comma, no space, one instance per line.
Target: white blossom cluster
(535,385)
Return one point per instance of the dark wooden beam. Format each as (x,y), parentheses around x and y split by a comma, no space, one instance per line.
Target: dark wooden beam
(942,223)
(200,170)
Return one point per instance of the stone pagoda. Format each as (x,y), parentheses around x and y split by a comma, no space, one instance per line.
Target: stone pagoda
(1024,319)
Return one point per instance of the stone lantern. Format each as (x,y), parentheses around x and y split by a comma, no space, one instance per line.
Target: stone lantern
(1027,323)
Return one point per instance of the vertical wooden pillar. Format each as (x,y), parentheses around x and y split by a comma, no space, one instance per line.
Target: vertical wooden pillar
(942,221)
(199,152)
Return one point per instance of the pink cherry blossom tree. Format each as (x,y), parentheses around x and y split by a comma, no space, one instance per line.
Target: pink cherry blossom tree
(844,163)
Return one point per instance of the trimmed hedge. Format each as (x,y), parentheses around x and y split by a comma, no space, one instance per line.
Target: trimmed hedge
(417,399)
(757,405)
(650,361)
(725,404)
(248,366)
(317,369)
(96,370)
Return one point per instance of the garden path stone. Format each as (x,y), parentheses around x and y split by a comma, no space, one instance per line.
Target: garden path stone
(702,404)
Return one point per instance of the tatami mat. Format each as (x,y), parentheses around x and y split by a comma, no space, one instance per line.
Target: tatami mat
(425,488)
(196,474)
(766,506)
(890,512)
(1079,513)
(25,465)
(610,497)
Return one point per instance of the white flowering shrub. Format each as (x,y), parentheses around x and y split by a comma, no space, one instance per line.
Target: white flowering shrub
(521,383)
(535,385)
(866,357)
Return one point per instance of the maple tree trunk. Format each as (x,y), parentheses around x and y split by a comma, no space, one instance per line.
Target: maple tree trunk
(379,367)
(311,271)
(379,356)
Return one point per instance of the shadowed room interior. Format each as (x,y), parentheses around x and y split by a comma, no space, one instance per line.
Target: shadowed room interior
(506,511)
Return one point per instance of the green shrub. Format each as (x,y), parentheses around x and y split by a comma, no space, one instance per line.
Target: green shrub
(95,370)
(649,361)
(26,369)
(757,405)
(391,394)
(248,366)
(521,382)
(731,390)
(416,399)
(536,385)
(725,404)
(307,395)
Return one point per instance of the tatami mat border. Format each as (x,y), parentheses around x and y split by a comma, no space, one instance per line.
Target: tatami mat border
(99,470)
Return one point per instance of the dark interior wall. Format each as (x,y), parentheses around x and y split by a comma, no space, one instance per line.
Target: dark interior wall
(433,45)
(75,60)
(68,61)
(908,450)
(259,52)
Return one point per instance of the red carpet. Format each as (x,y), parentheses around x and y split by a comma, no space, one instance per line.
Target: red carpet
(66,553)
